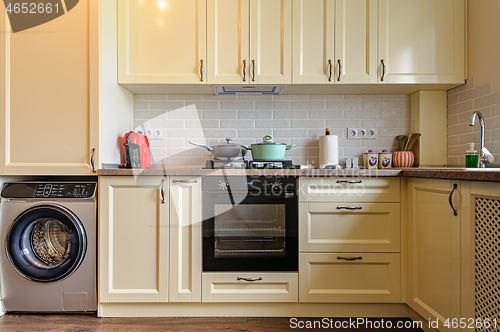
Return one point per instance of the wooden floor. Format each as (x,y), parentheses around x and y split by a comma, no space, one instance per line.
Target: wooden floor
(84,323)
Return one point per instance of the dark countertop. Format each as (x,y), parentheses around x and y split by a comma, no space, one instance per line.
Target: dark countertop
(468,174)
(251,172)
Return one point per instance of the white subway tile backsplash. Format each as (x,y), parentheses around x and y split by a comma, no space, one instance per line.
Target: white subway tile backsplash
(220,115)
(237,105)
(344,105)
(329,114)
(272,123)
(290,114)
(237,124)
(366,114)
(166,105)
(392,104)
(272,105)
(291,119)
(462,102)
(255,114)
(308,105)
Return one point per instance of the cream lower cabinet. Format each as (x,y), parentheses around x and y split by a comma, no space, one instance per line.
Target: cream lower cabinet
(421,41)
(162,41)
(149,239)
(250,287)
(133,239)
(350,277)
(185,238)
(434,261)
(49,114)
(349,240)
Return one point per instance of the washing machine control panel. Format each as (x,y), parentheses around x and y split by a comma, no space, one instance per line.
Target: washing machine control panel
(64,190)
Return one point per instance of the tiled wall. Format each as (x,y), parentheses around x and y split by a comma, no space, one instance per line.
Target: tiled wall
(297,119)
(462,102)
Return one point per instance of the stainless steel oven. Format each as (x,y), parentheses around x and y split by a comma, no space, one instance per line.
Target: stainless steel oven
(250,223)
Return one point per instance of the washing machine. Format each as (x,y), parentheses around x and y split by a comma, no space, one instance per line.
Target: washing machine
(48,254)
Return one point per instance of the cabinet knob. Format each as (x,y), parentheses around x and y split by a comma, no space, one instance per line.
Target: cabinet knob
(201,70)
(92,160)
(383,70)
(162,191)
(340,70)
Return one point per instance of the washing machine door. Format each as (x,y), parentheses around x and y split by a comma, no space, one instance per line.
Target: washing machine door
(46,243)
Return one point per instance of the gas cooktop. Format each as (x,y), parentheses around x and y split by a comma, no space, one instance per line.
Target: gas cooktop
(250,164)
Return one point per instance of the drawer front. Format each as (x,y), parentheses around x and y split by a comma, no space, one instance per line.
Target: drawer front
(327,278)
(347,189)
(349,227)
(273,287)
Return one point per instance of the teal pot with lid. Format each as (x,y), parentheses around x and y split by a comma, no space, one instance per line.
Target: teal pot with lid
(268,150)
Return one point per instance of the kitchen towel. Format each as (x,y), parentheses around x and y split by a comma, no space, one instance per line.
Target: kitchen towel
(328,150)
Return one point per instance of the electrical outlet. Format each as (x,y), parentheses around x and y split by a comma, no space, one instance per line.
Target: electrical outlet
(361,133)
(156,133)
(352,133)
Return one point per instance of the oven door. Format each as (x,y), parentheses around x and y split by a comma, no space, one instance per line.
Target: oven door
(260,233)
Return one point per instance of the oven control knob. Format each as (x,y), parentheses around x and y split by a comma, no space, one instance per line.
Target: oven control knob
(277,185)
(223,185)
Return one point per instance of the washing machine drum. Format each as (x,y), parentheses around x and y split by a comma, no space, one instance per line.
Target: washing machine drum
(46,243)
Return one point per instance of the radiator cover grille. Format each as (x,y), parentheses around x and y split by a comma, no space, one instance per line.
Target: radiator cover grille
(487,258)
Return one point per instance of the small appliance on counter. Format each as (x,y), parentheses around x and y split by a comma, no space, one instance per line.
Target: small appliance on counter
(137,154)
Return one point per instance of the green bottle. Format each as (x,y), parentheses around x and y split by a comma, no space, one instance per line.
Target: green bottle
(471,157)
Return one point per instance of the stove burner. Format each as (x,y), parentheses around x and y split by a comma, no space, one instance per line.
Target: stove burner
(270,164)
(249,164)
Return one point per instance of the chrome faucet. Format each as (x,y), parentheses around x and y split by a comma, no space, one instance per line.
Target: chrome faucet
(485,156)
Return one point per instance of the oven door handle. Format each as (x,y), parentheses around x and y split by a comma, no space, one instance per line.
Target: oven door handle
(249,279)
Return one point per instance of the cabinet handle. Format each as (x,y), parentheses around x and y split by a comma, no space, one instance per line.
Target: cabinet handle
(450,198)
(249,279)
(244,70)
(253,70)
(185,181)
(330,70)
(92,160)
(349,181)
(383,70)
(201,70)
(349,258)
(162,191)
(340,70)
(349,207)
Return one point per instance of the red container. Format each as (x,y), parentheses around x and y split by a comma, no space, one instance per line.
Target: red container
(136,150)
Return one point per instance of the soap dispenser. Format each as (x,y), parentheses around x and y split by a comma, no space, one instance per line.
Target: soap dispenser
(471,157)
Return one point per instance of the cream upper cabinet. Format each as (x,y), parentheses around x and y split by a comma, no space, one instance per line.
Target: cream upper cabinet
(334,41)
(421,41)
(50,106)
(434,249)
(133,239)
(185,238)
(249,41)
(162,41)
(228,41)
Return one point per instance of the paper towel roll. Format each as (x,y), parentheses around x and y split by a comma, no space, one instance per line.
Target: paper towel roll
(328,150)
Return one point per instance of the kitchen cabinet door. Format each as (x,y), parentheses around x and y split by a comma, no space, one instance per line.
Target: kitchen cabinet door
(421,41)
(355,41)
(185,238)
(228,41)
(133,239)
(162,41)
(49,86)
(270,41)
(313,41)
(434,249)
(334,41)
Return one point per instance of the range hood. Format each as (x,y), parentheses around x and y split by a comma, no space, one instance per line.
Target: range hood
(249,89)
